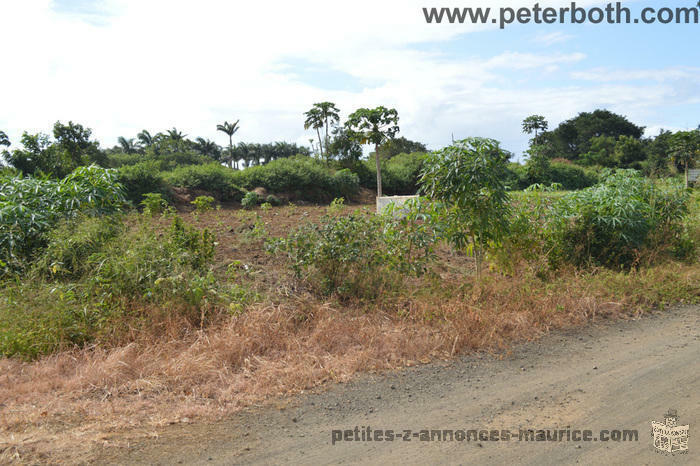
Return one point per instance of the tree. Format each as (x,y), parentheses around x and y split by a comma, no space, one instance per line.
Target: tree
(468,180)
(70,149)
(128,146)
(4,140)
(573,138)
(208,148)
(374,126)
(230,129)
(535,123)
(74,140)
(322,115)
(629,152)
(685,149)
(145,139)
(344,147)
(398,146)
(658,150)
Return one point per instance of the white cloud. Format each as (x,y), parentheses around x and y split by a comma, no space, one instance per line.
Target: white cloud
(552,38)
(157,64)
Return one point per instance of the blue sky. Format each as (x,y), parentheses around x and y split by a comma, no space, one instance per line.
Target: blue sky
(120,66)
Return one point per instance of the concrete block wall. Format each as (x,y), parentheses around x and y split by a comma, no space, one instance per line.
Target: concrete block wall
(398,201)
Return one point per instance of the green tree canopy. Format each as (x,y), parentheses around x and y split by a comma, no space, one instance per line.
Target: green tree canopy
(573,138)
(322,115)
(685,149)
(535,123)
(374,126)
(468,178)
(398,146)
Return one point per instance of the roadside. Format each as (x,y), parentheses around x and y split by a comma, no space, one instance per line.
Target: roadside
(619,375)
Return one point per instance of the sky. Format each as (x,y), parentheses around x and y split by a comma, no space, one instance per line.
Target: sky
(121,66)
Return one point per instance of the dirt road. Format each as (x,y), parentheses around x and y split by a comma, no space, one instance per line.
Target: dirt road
(619,375)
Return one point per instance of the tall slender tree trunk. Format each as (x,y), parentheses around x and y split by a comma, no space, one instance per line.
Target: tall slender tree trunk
(686,174)
(320,142)
(230,151)
(327,156)
(379,170)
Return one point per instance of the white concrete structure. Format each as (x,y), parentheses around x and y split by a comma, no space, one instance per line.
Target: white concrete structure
(693,175)
(398,201)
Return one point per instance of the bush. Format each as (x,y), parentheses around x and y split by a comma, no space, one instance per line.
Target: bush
(30,207)
(310,178)
(572,177)
(359,255)
(568,175)
(273,200)
(153,204)
(142,178)
(612,224)
(73,242)
(213,178)
(203,203)
(250,200)
(400,174)
(97,280)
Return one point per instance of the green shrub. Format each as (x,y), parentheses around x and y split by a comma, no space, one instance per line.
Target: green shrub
(611,224)
(203,203)
(571,176)
(153,204)
(359,255)
(213,178)
(30,207)
(250,200)
(309,178)
(73,242)
(152,265)
(400,174)
(142,178)
(97,279)
(273,200)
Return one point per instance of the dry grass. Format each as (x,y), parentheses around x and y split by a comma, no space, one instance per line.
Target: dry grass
(64,406)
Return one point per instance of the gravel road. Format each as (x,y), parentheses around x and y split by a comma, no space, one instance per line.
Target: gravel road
(608,376)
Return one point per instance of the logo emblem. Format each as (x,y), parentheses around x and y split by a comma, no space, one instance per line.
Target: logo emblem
(669,437)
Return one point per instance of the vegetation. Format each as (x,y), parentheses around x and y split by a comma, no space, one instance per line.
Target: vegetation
(30,207)
(468,180)
(137,308)
(374,126)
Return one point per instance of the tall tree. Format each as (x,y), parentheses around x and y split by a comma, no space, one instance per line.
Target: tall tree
(128,146)
(374,126)
(230,129)
(535,123)
(208,148)
(323,115)
(685,149)
(572,138)
(398,146)
(145,138)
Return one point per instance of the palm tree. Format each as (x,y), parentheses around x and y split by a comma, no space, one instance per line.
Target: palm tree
(145,138)
(176,135)
(128,146)
(322,115)
(230,129)
(208,148)
(4,140)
